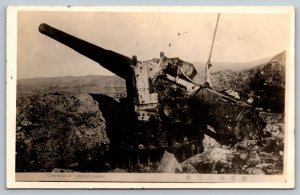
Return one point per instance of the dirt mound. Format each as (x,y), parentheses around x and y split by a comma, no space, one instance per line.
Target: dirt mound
(271,73)
(266,80)
(59,131)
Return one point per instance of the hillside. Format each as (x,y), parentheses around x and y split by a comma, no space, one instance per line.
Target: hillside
(76,85)
(266,80)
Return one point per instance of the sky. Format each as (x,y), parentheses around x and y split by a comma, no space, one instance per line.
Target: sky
(240,38)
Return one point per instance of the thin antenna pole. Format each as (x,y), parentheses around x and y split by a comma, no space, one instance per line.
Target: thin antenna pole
(208,64)
(213,41)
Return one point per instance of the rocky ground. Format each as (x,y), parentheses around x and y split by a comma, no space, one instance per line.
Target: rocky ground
(55,131)
(245,157)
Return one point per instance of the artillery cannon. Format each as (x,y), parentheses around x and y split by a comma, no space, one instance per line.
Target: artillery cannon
(165,109)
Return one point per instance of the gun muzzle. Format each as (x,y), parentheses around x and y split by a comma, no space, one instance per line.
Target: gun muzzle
(115,62)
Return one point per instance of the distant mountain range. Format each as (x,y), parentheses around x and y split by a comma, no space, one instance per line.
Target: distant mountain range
(71,84)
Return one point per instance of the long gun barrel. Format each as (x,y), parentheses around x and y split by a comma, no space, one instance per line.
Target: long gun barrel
(115,62)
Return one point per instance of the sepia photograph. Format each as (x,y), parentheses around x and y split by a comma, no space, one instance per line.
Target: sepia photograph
(150,97)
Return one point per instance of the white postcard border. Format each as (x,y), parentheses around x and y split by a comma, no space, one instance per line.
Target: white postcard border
(11,76)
